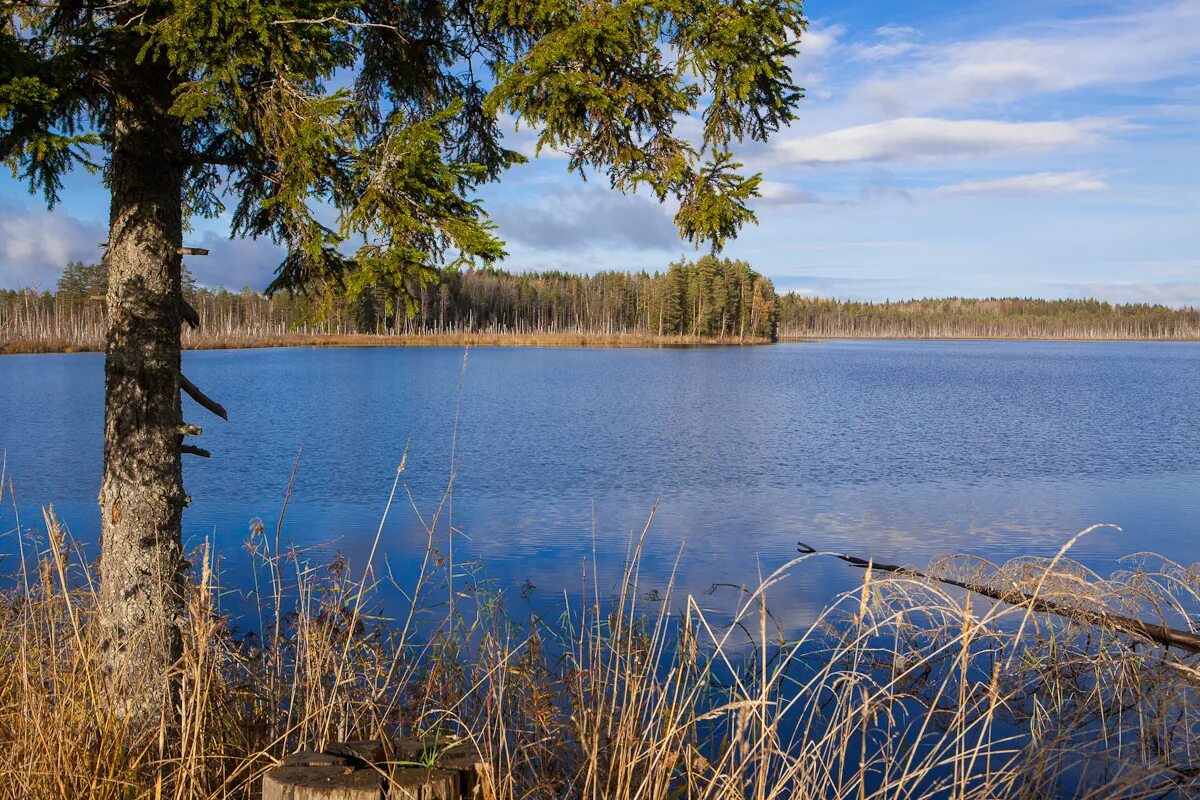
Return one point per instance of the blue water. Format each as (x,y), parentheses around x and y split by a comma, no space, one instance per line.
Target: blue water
(899,450)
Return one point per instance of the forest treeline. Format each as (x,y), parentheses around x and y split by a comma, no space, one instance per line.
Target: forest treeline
(709,299)
(995,318)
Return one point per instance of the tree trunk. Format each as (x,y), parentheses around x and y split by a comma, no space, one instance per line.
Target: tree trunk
(141,498)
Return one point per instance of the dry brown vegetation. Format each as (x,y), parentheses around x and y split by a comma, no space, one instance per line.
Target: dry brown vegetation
(901,689)
(33,346)
(512,339)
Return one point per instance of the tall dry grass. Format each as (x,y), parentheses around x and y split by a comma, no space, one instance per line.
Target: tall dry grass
(900,689)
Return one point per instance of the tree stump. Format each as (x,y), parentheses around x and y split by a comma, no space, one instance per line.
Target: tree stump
(419,783)
(356,770)
(475,774)
(322,783)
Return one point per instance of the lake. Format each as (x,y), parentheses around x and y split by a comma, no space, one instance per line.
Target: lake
(899,450)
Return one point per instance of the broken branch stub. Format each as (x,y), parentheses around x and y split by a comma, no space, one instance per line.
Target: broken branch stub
(201,398)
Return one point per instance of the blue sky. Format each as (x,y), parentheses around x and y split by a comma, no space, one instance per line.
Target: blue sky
(944,148)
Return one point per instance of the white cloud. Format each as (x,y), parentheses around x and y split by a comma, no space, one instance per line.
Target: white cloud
(36,245)
(872,245)
(774,193)
(1175,294)
(817,46)
(235,263)
(523,138)
(579,219)
(931,139)
(1160,268)
(1037,183)
(842,285)
(882,51)
(891,41)
(819,40)
(1148,45)
(897,32)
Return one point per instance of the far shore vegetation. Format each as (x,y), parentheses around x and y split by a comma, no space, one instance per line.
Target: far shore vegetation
(991,318)
(706,302)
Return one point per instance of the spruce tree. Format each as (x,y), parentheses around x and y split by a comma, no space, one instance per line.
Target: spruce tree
(354,134)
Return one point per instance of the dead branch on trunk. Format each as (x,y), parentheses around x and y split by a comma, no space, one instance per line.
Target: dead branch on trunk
(195,451)
(201,398)
(189,314)
(1160,634)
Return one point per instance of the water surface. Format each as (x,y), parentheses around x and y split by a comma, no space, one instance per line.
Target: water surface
(900,450)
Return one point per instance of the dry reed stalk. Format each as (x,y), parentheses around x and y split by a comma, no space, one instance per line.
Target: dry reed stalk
(900,689)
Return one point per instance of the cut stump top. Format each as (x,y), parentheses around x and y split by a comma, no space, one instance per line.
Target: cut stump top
(356,770)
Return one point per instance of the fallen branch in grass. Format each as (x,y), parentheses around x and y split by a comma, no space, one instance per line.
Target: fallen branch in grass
(1161,634)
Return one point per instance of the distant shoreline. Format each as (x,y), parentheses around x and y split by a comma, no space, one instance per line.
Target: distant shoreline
(564,340)
(966,338)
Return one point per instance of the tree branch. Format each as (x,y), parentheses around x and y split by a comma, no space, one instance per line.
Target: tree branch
(340,21)
(189,314)
(201,398)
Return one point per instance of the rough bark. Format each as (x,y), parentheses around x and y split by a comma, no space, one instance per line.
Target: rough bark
(142,498)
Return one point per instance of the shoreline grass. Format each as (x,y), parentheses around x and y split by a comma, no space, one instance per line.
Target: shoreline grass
(901,688)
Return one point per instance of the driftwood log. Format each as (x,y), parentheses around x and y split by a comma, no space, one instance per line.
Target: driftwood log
(361,770)
(1160,634)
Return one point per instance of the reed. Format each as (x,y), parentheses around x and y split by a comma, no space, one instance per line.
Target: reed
(900,689)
